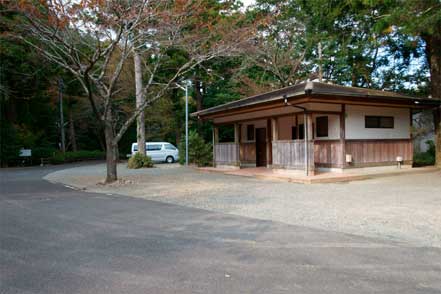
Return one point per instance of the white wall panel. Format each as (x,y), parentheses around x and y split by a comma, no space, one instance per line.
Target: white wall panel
(355,124)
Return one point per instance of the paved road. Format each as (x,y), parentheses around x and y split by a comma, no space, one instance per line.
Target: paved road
(57,240)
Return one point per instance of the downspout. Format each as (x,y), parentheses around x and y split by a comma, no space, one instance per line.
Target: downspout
(305,130)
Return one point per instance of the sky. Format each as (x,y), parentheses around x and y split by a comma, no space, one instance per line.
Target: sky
(248,2)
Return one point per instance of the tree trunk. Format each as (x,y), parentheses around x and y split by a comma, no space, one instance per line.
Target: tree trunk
(111,149)
(140,98)
(320,73)
(197,86)
(433,53)
(72,136)
(11,110)
(437,121)
(177,113)
(178,137)
(111,158)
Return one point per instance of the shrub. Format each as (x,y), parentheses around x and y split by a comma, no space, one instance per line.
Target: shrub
(425,158)
(72,156)
(138,161)
(42,152)
(431,149)
(9,146)
(199,152)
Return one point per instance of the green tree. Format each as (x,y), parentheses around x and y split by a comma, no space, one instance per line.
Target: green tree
(199,152)
(9,147)
(421,19)
(84,38)
(26,92)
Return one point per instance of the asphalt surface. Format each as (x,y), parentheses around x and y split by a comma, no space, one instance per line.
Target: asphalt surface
(57,240)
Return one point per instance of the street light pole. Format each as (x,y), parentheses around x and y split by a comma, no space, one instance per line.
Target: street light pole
(186,119)
(60,98)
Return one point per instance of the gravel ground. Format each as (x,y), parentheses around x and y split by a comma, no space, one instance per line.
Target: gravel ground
(402,208)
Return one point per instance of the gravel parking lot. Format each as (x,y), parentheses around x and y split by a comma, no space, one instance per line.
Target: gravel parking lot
(403,208)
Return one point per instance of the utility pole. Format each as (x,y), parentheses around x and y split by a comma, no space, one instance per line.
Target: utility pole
(60,99)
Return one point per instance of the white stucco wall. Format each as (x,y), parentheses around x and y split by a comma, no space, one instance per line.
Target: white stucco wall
(355,123)
(285,123)
(333,127)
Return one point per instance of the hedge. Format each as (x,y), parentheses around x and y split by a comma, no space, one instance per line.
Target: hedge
(73,156)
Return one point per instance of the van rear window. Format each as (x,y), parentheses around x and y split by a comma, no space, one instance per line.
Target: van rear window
(170,147)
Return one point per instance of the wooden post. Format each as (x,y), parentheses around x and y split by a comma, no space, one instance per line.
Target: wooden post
(275,134)
(237,142)
(309,154)
(215,141)
(343,135)
(310,126)
(275,127)
(269,144)
(297,128)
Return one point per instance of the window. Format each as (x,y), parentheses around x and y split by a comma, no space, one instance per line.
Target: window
(154,147)
(322,126)
(250,132)
(379,122)
(301,129)
(170,147)
(293,133)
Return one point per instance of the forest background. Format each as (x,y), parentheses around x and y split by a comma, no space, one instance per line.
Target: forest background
(392,45)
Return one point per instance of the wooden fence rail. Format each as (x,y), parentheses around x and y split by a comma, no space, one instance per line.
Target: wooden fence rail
(226,153)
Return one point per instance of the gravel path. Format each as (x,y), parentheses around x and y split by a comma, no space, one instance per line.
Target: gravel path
(403,208)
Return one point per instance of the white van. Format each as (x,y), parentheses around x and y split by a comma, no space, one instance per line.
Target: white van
(159,151)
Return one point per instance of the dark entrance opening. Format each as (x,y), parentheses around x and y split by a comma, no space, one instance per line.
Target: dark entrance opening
(261,147)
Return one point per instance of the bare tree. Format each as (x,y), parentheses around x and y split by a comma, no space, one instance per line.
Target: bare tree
(83,36)
(279,50)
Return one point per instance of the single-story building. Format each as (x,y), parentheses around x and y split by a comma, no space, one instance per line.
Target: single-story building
(313,125)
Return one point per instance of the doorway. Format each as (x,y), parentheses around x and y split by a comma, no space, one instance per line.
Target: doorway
(261,147)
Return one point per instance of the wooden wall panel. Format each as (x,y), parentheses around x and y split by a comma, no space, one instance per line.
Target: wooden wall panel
(378,151)
(328,153)
(248,152)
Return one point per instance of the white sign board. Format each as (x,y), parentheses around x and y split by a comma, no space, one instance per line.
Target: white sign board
(25,153)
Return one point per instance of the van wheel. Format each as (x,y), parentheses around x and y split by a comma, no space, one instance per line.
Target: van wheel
(169,159)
